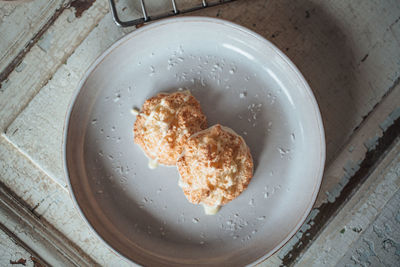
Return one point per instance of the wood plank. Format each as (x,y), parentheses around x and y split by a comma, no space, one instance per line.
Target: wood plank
(379,243)
(37,236)
(350,168)
(37,189)
(51,103)
(50,203)
(369,208)
(12,252)
(20,22)
(363,140)
(44,58)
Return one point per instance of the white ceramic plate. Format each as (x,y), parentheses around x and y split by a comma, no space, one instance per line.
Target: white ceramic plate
(242,81)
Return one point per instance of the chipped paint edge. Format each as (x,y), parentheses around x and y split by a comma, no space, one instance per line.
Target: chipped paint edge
(38,235)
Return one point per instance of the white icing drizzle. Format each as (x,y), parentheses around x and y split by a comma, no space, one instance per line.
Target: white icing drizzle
(135,111)
(211,210)
(182,184)
(152,164)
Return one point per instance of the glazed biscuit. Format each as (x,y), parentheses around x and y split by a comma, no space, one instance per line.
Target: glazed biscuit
(165,123)
(215,166)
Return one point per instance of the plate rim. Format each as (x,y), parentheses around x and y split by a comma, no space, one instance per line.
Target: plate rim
(264,41)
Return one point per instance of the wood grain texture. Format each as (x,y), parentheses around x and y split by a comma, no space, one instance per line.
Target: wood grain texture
(44,58)
(379,244)
(12,253)
(41,138)
(51,203)
(375,136)
(375,202)
(20,22)
(37,236)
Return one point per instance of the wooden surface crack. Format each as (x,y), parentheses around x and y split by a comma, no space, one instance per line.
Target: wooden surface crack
(20,56)
(395,83)
(329,209)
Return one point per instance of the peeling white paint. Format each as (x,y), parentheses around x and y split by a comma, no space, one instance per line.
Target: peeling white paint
(344,235)
(390,119)
(371,143)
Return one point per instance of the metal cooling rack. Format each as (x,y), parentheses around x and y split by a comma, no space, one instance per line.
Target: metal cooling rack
(174,11)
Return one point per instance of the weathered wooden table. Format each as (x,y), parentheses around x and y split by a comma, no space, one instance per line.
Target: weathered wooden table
(349,51)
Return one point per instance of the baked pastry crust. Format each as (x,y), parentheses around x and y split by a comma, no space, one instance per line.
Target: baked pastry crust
(215,167)
(165,123)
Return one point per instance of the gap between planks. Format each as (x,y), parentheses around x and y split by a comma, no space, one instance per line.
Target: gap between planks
(328,210)
(20,56)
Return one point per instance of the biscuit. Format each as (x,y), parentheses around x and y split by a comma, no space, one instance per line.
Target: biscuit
(215,166)
(165,123)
